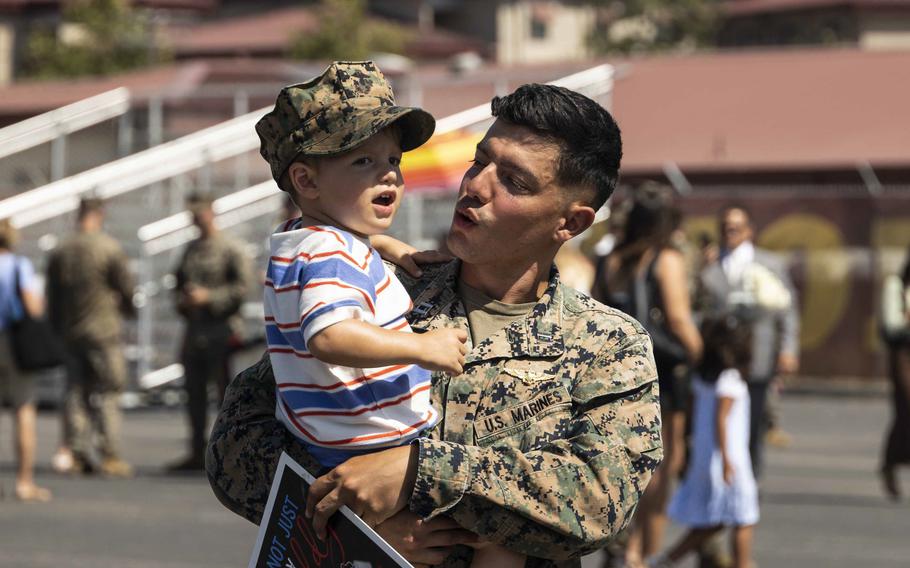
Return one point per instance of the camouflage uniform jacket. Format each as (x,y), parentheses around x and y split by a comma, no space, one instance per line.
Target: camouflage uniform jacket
(547,439)
(218,264)
(89,289)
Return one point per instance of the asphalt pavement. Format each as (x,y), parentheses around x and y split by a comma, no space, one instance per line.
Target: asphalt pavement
(822,504)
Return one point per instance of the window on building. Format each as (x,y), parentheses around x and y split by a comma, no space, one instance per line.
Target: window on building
(538,28)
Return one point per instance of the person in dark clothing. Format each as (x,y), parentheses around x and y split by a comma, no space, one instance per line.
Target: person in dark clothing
(646,277)
(212,280)
(896,450)
(89,292)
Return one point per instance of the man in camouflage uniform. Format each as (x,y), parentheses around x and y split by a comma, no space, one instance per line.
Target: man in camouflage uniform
(212,280)
(89,290)
(550,435)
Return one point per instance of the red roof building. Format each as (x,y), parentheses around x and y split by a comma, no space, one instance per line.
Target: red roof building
(801,116)
(870,24)
(271,33)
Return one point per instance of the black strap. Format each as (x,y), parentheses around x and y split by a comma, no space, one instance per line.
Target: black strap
(17,275)
(641,297)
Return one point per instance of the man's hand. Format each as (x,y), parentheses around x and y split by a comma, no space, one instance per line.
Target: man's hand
(404,255)
(787,364)
(196,296)
(423,543)
(375,486)
(443,350)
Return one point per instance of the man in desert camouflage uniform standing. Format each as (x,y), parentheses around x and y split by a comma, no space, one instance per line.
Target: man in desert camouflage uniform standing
(212,280)
(89,291)
(550,435)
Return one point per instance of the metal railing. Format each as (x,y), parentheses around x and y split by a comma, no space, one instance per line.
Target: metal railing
(168,160)
(422,216)
(156,243)
(199,150)
(594,82)
(55,125)
(167,235)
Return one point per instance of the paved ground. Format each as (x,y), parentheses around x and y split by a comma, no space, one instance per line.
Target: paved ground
(822,504)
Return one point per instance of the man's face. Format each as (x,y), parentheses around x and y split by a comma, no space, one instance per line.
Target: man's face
(509,203)
(735,228)
(203,216)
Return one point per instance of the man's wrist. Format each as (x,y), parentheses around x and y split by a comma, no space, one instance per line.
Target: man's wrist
(444,471)
(410,475)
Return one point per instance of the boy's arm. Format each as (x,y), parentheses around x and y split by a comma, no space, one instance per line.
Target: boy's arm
(355,343)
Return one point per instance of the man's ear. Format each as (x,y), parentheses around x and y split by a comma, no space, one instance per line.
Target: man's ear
(576,220)
(302,177)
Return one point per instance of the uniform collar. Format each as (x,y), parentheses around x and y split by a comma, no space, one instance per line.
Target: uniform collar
(537,336)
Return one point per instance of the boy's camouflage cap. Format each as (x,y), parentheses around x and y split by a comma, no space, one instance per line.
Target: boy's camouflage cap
(335,112)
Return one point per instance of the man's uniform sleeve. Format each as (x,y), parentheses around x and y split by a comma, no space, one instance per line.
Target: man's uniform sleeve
(569,497)
(246,442)
(226,298)
(121,281)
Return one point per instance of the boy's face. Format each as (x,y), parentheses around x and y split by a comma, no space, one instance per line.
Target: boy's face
(359,190)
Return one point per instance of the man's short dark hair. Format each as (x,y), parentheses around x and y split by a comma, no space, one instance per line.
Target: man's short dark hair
(200,200)
(590,140)
(736,206)
(90,205)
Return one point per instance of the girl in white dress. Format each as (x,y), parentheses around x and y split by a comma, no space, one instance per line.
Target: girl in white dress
(719,488)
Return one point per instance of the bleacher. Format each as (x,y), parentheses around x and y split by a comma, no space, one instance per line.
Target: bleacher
(145,193)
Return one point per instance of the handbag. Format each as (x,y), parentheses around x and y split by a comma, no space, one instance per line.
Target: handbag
(34,344)
(668,350)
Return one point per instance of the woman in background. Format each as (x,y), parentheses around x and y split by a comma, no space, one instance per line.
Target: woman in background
(645,277)
(18,296)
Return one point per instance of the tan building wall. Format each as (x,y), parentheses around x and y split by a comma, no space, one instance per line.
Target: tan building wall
(884,31)
(7,35)
(536,32)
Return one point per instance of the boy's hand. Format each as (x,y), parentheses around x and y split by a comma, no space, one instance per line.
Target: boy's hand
(404,255)
(443,350)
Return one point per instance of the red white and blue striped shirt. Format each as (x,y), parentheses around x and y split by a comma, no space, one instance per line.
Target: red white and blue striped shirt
(318,276)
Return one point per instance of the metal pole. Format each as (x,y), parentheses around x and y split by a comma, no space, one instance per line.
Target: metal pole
(677,178)
(156,135)
(205,175)
(124,134)
(144,318)
(873,185)
(58,157)
(242,165)
(156,121)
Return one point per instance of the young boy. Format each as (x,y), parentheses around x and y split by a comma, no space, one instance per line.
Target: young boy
(351,377)
(345,360)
